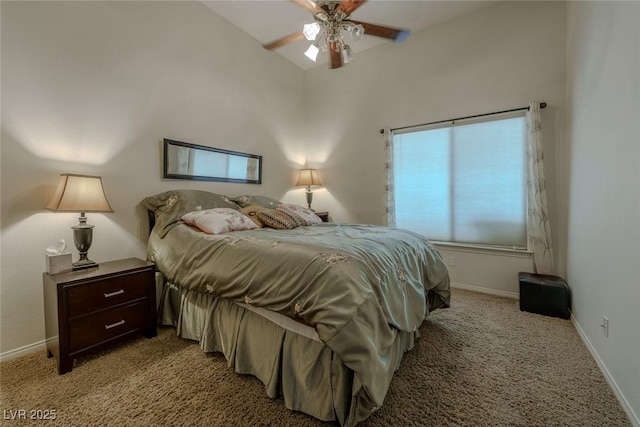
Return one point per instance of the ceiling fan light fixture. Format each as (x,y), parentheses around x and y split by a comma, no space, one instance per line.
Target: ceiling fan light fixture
(332,20)
(311,31)
(356,31)
(312,52)
(347,54)
(321,17)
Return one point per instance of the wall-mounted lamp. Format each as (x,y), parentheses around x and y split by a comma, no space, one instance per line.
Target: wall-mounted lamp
(80,193)
(308,178)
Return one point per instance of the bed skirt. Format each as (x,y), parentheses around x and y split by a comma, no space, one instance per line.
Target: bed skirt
(291,362)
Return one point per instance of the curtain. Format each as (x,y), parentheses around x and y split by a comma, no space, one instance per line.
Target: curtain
(538,228)
(185,161)
(252,169)
(390,211)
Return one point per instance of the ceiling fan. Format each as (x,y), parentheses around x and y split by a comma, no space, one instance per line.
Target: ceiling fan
(332,18)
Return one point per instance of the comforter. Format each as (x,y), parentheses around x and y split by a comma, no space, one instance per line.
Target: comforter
(357,285)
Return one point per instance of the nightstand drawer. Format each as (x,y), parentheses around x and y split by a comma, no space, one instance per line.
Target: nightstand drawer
(108,324)
(107,293)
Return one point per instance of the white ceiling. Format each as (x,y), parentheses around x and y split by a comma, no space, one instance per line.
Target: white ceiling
(268,20)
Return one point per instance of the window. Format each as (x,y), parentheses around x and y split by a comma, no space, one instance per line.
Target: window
(463,182)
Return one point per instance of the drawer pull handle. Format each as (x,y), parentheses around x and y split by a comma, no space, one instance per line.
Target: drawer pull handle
(113,294)
(113,325)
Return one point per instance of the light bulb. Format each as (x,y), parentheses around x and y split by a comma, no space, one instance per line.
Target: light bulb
(347,54)
(310,31)
(312,52)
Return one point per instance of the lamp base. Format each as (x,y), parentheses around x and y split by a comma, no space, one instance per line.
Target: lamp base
(84,263)
(82,237)
(309,198)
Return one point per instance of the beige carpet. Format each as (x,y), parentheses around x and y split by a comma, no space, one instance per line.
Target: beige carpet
(481,362)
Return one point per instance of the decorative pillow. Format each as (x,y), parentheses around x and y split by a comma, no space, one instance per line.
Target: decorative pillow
(252,213)
(219,220)
(297,219)
(276,219)
(264,201)
(171,205)
(309,216)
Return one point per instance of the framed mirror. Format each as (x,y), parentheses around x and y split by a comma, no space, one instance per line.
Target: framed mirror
(198,162)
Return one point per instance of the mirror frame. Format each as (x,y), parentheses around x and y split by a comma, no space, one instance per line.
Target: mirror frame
(212,177)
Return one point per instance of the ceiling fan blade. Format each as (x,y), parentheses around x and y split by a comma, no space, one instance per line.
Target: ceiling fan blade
(386,32)
(308,4)
(284,40)
(335,55)
(348,6)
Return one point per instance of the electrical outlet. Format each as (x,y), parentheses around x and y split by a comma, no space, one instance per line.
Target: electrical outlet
(605,326)
(452,261)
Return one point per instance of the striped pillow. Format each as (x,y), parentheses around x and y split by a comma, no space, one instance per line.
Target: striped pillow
(276,219)
(300,221)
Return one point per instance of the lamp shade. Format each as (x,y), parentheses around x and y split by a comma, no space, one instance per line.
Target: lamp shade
(310,31)
(312,52)
(79,193)
(308,177)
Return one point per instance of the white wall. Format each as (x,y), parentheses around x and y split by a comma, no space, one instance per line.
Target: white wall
(501,57)
(603,262)
(94,87)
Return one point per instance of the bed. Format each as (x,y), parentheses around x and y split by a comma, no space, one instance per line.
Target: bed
(322,313)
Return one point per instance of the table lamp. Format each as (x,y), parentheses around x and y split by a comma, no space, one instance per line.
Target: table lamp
(80,193)
(308,178)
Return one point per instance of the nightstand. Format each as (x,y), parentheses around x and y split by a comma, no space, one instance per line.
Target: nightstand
(324,216)
(86,309)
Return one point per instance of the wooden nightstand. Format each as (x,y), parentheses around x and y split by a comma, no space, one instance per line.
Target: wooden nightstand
(86,309)
(324,216)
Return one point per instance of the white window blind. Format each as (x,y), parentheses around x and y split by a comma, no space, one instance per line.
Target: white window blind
(463,182)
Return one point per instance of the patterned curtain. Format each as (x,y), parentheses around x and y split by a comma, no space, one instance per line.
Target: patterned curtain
(390,211)
(252,168)
(538,228)
(185,161)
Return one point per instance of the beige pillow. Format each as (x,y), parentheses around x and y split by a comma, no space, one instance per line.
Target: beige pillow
(252,213)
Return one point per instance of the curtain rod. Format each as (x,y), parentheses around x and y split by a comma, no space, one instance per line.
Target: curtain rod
(542,105)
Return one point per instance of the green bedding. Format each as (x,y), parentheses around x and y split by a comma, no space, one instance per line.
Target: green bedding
(357,285)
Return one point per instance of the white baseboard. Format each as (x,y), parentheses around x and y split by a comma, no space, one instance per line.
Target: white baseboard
(21,351)
(633,417)
(484,290)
